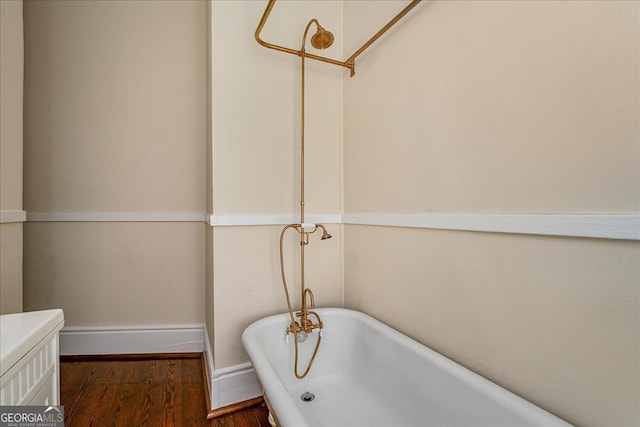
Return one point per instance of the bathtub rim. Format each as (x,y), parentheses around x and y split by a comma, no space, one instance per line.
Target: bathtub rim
(289,414)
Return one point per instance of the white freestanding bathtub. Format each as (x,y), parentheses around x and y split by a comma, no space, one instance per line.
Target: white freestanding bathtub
(368,374)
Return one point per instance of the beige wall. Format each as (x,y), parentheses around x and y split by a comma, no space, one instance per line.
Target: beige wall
(208,285)
(115,123)
(503,107)
(465,107)
(255,137)
(117,274)
(256,112)
(554,320)
(248,285)
(11,80)
(11,279)
(115,97)
(500,109)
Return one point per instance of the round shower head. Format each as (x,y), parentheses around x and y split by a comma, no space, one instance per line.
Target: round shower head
(322,39)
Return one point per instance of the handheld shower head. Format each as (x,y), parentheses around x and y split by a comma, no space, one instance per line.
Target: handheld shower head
(325,233)
(322,39)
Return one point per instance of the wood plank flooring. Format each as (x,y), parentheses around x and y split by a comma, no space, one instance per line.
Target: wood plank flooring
(136,392)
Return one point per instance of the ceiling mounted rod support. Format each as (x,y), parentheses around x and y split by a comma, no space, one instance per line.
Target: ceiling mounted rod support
(350,62)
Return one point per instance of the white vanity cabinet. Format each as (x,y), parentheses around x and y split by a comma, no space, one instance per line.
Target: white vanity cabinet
(30,358)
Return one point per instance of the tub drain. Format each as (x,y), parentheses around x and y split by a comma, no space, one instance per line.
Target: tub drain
(307,397)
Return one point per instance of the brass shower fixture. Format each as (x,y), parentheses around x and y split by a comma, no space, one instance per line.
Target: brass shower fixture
(323,39)
(305,326)
(306,321)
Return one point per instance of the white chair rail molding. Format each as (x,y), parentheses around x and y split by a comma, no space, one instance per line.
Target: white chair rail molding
(604,226)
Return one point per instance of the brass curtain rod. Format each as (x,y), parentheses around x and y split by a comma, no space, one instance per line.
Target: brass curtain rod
(350,61)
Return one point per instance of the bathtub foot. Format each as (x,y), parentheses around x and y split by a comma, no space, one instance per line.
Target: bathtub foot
(272,422)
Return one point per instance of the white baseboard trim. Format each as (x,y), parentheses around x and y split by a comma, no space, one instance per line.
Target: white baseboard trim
(131,340)
(229,385)
(234,384)
(208,365)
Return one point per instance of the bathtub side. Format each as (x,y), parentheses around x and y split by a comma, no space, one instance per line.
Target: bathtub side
(363,350)
(256,339)
(392,361)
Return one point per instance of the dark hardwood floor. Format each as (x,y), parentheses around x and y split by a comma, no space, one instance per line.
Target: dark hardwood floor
(142,391)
